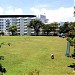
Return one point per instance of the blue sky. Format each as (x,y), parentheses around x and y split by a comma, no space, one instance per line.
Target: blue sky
(27,4)
(31,6)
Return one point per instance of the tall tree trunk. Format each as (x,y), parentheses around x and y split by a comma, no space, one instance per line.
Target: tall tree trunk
(37,33)
(47,33)
(12,33)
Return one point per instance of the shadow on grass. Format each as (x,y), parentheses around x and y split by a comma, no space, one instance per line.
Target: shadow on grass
(1,57)
(72,66)
(2,69)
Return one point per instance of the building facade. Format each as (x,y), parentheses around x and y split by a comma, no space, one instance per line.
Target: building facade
(21,22)
(43,19)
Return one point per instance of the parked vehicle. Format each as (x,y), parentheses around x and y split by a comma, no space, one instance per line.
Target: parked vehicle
(61,35)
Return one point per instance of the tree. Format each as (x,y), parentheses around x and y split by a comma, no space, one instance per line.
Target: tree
(46,28)
(71,35)
(2,70)
(54,27)
(65,28)
(12,29)
(36,24)
(71,31)
(2,33)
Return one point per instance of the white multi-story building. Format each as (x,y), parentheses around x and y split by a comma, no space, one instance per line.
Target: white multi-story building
(20,21)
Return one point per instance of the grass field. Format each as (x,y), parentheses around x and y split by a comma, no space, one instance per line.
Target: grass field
(28,53)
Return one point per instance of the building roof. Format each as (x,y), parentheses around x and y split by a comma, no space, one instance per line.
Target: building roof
(5,16)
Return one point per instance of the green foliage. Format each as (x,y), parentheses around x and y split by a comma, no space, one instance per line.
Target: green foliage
(46,28)
(68,28)
(12,29)
(71,32)
(31,24)
(65,28)
(52,27)
(2,70)
(2,43)
(36,24)
(71,41)
(0,46)
(35,72)
(2,33)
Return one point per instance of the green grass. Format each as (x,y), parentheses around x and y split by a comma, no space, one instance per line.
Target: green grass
(28,53)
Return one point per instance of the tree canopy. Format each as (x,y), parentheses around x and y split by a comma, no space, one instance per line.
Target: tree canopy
(71,35)
(47,28)
(71,32)
(2,33)
(36,24)
(65,28)
(54,27)
(13,29)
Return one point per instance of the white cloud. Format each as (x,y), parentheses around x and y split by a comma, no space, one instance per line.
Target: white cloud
(11,11)
(35,11)
(15,11)
(61,14)
(1,10)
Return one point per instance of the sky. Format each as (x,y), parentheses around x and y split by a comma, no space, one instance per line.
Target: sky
(55,10)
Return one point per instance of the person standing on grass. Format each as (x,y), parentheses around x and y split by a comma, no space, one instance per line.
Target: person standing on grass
(52,56)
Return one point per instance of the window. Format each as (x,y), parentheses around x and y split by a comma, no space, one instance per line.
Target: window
(18,30)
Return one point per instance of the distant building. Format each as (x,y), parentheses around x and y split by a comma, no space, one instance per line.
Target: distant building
(61,23)
(43,19)
(20,20)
